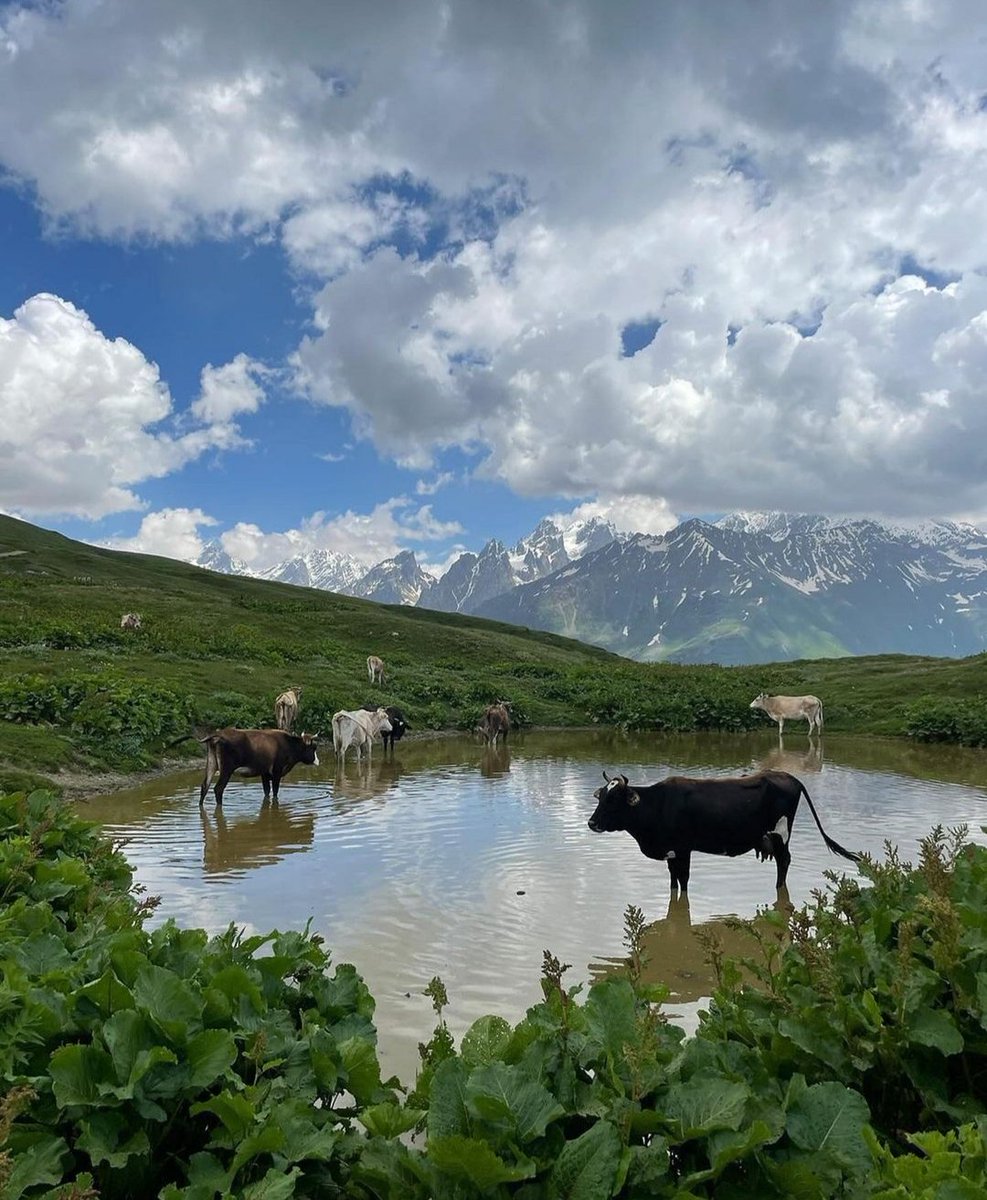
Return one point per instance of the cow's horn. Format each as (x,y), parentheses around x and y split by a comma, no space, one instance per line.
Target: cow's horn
(606,776)
(624,778)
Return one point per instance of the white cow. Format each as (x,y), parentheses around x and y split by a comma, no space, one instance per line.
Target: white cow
(358,729)
(286,708)
(375,669)
(792,708)
(130,621)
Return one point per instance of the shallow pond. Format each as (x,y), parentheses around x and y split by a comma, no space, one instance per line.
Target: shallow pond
(461,862)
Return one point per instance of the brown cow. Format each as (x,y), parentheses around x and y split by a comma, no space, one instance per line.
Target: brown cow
(286,708)
(269,753)
(495,723)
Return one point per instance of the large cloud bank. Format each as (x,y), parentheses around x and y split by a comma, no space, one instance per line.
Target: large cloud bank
(484,197)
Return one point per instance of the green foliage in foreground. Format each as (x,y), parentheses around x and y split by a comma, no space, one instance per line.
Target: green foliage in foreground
(166,1063)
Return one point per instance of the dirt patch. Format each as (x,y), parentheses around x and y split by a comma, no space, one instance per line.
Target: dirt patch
(78,785)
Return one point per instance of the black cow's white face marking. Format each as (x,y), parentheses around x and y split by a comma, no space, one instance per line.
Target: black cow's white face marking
(614,799)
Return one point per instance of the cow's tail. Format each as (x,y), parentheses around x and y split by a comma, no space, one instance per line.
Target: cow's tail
(337,733)
(830,842)
(819,720)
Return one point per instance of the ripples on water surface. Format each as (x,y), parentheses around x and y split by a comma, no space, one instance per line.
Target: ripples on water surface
(412,868)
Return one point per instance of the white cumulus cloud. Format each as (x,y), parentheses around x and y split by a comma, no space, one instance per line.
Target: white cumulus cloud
(170,532)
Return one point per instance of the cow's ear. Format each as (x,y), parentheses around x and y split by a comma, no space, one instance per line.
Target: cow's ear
(633,797)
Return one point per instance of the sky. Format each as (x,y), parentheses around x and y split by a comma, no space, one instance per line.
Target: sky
(370,277)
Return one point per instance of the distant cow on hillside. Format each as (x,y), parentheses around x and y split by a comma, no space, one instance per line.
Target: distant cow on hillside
(286,708)
(375,669)
(269,753)
(792,708)
(130,621)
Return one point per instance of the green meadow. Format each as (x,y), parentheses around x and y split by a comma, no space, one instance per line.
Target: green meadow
(79,694)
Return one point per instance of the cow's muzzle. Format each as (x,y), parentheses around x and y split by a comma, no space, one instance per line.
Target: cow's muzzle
(593,825)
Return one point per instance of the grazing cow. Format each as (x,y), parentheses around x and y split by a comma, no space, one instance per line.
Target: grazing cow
(269,753)
(398,724)
(792,708)
(375,669)
(671,819)
(286,708)
(495,723)
(130,621)
(358,729)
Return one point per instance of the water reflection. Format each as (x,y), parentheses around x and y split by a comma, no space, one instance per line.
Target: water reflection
(678,953)
(360,779)
(252,841)
(795,762)
(495,761)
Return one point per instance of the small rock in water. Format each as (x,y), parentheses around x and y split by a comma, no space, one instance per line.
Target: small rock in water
(520,892)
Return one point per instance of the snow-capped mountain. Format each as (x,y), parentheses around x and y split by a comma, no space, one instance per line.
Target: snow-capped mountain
(319,569)
(749,587)
(215,558)
(397,580)
(769,586)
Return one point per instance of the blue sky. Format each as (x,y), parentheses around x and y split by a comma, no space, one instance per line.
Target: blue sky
(368,279)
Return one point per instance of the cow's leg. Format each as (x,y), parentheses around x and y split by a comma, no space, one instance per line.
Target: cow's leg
(783,858)
(265,778)
(678,870)
(275,783)
(781,726)
(221,782)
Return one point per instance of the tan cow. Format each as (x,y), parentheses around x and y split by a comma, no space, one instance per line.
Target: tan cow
(358,729)
(791,708)
(286,708)
(375,669)
(130,621)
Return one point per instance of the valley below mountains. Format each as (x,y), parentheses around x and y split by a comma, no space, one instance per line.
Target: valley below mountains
(750,587)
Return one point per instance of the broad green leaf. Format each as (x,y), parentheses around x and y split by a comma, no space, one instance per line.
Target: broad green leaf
(610,1017)
(168,1000)
(390,1120)
(34,1164)
(502,1093)
(268,1139)
(206,1170)
(80,1074)
(485,1041)
(830,1117)
(42,954)
(107,995)
(706,1103)
(586,1169)
(447,1111)
(362,1069)
(276,1185)
(936,1028)
(234,1111)
(101,1138)
(473,1160)
(208,1055)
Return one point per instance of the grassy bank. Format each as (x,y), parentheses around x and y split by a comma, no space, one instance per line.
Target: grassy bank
(166,1063)
(78,694)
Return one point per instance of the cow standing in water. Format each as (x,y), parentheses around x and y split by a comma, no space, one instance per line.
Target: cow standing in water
(791,708)
(495,723)
(671,819)
(269,753)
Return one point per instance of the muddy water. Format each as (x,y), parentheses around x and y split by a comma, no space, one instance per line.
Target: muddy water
(454,861)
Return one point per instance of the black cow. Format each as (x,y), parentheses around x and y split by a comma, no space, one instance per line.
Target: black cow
(671,819)
(398,723)
(269,753)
